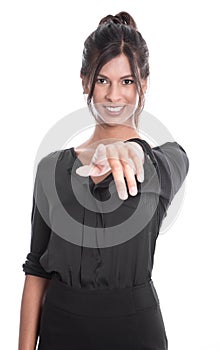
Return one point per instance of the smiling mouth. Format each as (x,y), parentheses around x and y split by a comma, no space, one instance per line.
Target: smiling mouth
(114,109)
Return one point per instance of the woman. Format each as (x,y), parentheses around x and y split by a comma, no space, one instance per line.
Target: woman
(88,281)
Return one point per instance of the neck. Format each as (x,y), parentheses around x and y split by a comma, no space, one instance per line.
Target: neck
(104,133)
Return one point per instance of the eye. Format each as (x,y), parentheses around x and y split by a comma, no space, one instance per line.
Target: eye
(101,81)
(127,81)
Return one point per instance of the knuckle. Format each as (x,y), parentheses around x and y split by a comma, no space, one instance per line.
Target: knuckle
(116,167)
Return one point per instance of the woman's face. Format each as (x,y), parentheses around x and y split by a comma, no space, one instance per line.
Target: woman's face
(115,95)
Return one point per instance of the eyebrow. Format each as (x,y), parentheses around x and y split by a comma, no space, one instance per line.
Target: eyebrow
(124,77)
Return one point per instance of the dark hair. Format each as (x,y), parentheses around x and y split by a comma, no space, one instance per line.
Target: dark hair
(113,36)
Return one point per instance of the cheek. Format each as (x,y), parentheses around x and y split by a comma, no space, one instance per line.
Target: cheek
(98,93)
(132,95)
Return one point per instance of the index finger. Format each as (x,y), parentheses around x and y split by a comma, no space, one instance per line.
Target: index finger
(136,154)
(117,172)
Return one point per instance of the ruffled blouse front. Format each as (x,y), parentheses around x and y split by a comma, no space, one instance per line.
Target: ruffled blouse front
(83,234)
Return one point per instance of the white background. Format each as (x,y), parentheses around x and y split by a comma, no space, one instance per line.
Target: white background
(41,48)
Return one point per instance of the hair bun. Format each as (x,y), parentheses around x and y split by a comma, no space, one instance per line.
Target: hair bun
(120,18)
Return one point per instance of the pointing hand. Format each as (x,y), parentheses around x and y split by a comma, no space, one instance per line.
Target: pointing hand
(123,159)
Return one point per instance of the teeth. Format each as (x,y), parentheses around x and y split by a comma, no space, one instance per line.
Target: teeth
(114,109)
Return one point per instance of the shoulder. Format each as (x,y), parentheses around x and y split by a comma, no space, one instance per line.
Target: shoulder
(49,157)
(49,160)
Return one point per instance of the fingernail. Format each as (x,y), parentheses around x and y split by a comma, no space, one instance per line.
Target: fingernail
(141,178)
(123,195)
(133,191)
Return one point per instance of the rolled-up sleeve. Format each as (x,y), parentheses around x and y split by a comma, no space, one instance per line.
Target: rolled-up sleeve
(40,229)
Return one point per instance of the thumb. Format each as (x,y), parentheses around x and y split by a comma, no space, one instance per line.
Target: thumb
(99,155)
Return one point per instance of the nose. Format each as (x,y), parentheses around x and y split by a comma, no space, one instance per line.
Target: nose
(113,94)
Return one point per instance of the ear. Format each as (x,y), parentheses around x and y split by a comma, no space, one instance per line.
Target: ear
(144,85)
(84,85)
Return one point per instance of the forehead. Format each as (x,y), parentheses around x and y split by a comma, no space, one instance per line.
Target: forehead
(117,66)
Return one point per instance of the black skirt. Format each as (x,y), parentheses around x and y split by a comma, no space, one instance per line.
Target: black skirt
(108,319)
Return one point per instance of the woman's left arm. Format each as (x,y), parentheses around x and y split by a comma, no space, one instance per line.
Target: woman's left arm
(173,164)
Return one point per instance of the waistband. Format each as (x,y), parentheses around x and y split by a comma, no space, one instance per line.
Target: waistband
(101,302)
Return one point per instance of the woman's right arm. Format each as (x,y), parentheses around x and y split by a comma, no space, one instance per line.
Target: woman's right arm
(36,279)
(30,312)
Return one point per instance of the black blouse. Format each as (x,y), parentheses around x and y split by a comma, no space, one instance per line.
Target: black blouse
(83,234)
